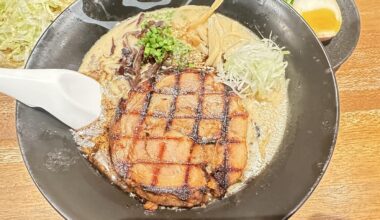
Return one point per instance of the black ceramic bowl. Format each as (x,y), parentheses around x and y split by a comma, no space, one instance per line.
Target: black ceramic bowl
(78,191)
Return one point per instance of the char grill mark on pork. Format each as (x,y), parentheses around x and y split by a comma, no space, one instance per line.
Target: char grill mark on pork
(195,130)
(163,137)
(221,173)
(143,113)
(173,106)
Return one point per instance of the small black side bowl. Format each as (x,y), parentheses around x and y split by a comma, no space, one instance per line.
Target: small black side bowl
(340,48)
(77,191)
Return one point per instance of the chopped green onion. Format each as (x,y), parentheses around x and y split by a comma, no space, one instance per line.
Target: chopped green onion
(159,43)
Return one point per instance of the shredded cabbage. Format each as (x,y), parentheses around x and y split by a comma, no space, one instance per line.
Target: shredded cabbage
(254,68)
(21,23)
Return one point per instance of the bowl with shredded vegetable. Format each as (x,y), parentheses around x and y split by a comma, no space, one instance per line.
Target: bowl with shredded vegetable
(280,57)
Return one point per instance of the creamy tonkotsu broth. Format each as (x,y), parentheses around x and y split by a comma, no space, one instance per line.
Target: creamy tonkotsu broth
(208,41)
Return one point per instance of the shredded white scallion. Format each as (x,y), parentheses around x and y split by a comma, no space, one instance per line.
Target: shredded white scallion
(254,68)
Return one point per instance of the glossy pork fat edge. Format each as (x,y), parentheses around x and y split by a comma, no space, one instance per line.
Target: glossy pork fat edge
(266,120)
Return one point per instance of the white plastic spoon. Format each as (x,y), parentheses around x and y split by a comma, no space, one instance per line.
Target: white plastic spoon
(73,98)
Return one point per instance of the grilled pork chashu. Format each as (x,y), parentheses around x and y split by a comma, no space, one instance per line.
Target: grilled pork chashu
(180,139)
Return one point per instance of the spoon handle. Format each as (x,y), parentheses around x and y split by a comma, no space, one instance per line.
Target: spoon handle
(28,86)
(73,98)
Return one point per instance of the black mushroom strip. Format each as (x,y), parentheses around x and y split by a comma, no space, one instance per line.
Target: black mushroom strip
(126,60)
(132,59)
(152,70)
(138,61)
(149,24)
(140,19)
(113,46)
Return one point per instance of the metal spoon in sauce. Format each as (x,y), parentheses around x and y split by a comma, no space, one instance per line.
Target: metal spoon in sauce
(73,98)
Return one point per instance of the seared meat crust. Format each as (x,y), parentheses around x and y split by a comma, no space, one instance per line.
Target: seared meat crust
(179,139)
